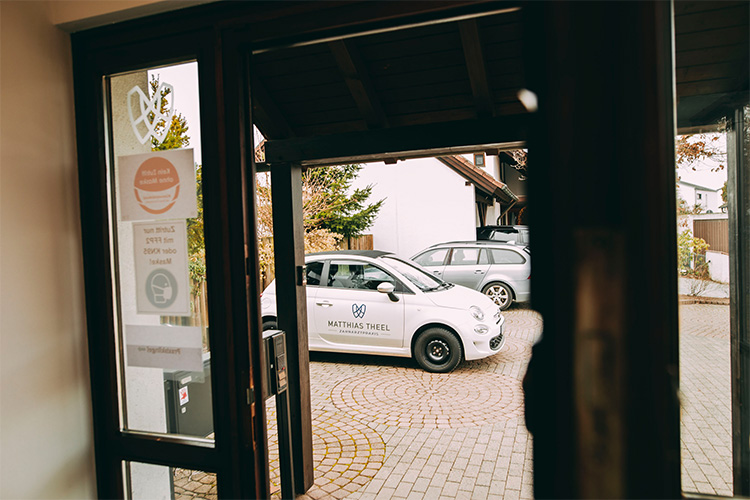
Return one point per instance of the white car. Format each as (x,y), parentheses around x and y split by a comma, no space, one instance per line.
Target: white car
(372,302)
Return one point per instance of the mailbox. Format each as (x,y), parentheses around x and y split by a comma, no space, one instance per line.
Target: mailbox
(277,381)
(276,366)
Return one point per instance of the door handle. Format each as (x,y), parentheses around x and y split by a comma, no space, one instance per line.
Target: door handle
(478,271)
(437,272)
(324,303)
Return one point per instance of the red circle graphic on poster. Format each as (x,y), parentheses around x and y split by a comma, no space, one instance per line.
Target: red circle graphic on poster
(157,185)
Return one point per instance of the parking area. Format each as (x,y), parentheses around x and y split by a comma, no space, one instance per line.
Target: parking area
(706,397)
(383,428)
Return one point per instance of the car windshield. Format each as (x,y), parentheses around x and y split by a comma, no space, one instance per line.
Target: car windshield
(421,279)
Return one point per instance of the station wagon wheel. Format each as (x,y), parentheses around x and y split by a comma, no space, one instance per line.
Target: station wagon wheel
(500,294)
(437,350)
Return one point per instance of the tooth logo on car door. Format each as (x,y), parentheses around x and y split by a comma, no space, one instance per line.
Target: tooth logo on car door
(359,311)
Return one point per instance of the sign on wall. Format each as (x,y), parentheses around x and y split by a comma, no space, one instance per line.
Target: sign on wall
(168,347)
(161,268)
(158,185)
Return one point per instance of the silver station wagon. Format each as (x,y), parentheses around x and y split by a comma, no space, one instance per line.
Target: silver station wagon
(502,271)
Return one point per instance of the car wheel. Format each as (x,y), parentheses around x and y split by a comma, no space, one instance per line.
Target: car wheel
(500,294)
(437,350)
(270,324)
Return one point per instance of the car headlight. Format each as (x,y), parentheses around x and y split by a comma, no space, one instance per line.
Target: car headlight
(477,313)
(481,329)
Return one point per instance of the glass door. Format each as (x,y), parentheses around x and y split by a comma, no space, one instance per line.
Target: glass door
(168,281)
(159,264)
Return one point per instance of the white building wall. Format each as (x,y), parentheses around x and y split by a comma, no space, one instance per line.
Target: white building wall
(713,200)
(687,193)
(426,203)
(718,266)
(45,403)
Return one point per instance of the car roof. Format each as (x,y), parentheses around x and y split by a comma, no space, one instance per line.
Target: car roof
(492,243)
(373,254)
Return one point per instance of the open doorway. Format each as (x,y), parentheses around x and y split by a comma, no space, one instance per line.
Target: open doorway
(382,425)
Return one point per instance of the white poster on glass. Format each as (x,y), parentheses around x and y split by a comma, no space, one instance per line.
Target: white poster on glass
(157,185)
(162,277)
(168,347)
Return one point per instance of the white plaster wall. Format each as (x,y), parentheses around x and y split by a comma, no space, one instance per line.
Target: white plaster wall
(718,266)
(76,15)
(713,200)
(687,193)
(426,203)
(45,405)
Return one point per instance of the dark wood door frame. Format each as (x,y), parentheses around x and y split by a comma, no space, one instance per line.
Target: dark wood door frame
(291,303)
(237,459)
(566,42)
(738,189)
(606,368)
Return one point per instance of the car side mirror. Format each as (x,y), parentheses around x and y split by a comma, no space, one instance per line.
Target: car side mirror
(388,288)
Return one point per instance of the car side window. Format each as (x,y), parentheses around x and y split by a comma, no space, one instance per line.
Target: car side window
(500,256)
(484,257)
(464,256)
(432,258)
(313,273)
(358,276)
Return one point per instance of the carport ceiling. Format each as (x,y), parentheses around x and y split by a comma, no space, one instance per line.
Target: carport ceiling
(712,48)
(464,74)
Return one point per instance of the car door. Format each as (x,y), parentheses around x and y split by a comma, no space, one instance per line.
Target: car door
(433,260)
(510,266)
(313,276)
(349,310)
(467,266)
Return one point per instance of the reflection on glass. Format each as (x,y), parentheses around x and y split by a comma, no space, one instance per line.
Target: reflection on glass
(159,257)
(151,482)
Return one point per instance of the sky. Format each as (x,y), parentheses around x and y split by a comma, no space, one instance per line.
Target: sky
(701,174)
(184,79)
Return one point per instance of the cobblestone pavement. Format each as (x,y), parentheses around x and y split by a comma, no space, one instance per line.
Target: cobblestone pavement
(456,435)
(705,383)
(382,428)
(194,485)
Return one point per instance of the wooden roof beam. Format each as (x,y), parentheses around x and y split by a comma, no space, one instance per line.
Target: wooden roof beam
(266,114)
(414,141)
(358,80)
(480,86)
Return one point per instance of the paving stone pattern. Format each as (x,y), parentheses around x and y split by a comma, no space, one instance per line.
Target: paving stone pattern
(382,428)
(194,485)
(706,397)
(456,435)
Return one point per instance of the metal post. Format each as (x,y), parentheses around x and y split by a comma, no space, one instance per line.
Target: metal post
(738,201)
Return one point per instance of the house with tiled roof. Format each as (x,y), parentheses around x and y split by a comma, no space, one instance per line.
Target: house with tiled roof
(431,200)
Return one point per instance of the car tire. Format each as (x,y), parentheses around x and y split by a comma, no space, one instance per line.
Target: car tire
(500,293)
(270,324)
(437,350)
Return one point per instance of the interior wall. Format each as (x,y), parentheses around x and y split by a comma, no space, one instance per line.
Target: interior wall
(45,404)
(76,15)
